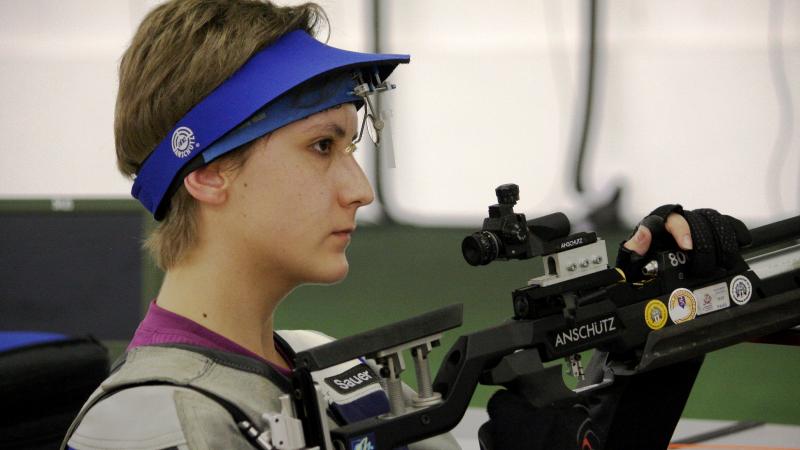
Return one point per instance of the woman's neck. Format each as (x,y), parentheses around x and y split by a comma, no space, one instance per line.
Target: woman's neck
(227,297)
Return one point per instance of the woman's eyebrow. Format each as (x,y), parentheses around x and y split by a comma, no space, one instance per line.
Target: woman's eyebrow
(329,127)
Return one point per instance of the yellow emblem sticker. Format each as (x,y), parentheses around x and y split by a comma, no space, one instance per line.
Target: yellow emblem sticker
(655,314)
(682,305)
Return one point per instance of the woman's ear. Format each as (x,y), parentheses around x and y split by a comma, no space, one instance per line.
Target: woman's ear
(208,184)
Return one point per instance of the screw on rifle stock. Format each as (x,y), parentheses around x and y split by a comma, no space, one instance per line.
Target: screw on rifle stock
(521,306)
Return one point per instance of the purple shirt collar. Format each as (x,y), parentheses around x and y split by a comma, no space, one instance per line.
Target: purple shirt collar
(165,327)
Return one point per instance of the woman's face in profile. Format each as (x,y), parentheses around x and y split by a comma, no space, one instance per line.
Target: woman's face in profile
(294,201)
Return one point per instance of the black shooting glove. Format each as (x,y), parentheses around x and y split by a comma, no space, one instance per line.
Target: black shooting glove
(515,424)
(716,239)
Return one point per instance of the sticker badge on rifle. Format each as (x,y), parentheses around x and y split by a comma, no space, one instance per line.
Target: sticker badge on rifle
(741,289)
(682,305)
(655,314)
(363,442)
(712,298)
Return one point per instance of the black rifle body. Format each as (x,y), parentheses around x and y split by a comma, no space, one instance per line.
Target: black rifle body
(598,311)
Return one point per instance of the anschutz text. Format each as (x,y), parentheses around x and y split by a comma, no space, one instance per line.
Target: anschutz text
(585,331)
(572,243)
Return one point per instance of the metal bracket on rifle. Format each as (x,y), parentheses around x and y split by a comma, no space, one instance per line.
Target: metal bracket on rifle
(370,343)
(385,346)
(575,366)
(284,430)
(392,364)
(568,264)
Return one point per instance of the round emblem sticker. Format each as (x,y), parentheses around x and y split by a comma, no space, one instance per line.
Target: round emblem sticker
(741,289)
(183,142)
(682,305)
(655,314)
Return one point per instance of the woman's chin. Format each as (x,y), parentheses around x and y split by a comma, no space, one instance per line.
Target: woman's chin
(332,274)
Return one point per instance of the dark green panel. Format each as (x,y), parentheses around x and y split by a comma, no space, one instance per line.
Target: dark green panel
(56,205)
(748,382)
(151,275)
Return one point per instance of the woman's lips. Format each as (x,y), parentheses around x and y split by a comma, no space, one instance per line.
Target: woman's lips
(344,233)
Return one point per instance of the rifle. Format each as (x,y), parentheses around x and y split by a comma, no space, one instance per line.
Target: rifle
(579,304)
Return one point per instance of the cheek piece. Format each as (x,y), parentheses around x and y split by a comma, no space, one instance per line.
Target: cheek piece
(293,78)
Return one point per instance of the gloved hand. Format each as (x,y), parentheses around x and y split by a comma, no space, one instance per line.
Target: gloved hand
(711,240)
(515,424)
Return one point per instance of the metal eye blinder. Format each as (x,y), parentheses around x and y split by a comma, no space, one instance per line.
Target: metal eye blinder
(372,120)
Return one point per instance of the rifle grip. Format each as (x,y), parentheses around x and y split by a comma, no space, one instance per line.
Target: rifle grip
(523,373)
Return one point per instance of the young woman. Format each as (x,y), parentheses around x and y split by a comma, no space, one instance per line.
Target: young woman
(238,128)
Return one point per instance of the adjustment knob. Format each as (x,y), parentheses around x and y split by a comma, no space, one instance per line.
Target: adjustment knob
(507,194)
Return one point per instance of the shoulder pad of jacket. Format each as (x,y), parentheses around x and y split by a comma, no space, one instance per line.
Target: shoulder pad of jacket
(144,417)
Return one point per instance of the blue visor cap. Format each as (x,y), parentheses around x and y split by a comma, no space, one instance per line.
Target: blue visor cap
(254,101)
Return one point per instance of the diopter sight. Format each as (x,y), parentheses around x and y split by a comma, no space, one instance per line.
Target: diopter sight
(508,235)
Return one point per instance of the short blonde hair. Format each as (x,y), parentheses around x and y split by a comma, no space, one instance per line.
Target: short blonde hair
(181,52)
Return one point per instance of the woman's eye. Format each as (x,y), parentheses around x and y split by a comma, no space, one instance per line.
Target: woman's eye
(323,146)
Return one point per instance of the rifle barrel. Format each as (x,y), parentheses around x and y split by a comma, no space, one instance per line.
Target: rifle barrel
(775,233)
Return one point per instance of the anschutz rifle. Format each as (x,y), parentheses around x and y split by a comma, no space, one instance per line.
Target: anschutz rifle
(580,303)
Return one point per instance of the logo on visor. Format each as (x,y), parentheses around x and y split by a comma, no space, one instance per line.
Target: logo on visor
(183,142)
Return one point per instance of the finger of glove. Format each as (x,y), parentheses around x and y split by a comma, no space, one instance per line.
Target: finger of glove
(654,226)
(630,262)
(639,243)
(664,211)
(629,255)
(727,246)
(704,256)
